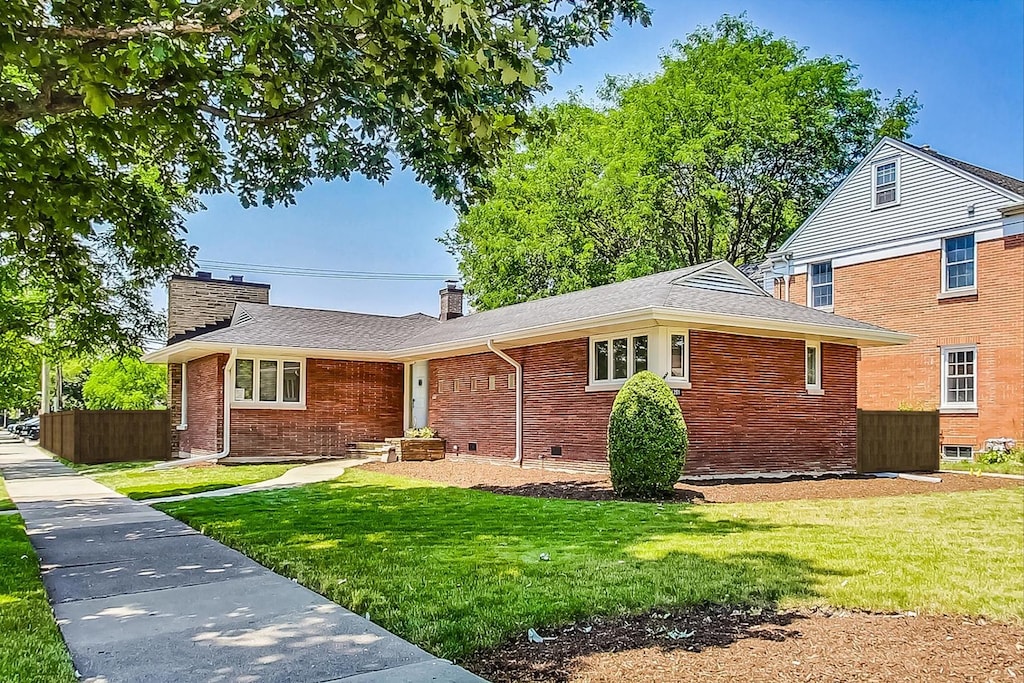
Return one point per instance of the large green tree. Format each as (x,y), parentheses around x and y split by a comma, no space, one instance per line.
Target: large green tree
(720,154)
(115,115)
(125,384)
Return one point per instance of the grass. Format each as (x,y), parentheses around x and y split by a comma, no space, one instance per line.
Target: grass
(139,483)
(5,501)
(999,468)
(455,570)
(32,649)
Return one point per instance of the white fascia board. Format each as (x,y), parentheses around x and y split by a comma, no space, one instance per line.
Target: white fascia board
(983,232)
(189,350)
(801,330)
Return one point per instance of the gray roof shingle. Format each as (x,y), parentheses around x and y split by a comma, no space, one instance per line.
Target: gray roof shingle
(996,178)
(265,325)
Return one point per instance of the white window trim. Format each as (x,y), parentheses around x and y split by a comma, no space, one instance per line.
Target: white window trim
(677,382)
(874,183)
(816,388)
(958,291)
(659,357)
(254,403)
(183,423)
(944,405)
(957,459)
(810,287)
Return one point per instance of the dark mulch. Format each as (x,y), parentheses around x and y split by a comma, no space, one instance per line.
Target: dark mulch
(722,644)
(547,484)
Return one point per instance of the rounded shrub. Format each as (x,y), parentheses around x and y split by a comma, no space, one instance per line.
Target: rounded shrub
(646,438)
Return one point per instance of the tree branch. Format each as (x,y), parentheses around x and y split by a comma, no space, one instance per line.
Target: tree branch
(142,29)
(289,115)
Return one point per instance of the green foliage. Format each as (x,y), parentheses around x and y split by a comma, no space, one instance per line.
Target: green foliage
(125,384)
(19,373)
(647,438)
(362,542)
(33,649)
(114,115)
(421,433)
(721,154)
(1013,456)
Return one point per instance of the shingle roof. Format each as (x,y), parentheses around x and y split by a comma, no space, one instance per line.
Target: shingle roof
(661,290)
(1004,181)
(684,290)
(318,329)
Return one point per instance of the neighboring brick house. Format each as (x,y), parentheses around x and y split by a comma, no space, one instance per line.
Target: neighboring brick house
(933,246)
(766,386)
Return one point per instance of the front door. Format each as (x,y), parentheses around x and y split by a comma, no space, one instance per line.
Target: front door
(419,394)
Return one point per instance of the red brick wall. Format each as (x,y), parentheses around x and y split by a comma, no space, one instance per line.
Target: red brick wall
(174,404)
(346,401)
(901,294)
(205,433)
(748,410)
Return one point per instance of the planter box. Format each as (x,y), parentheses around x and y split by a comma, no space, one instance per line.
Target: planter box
(417,449)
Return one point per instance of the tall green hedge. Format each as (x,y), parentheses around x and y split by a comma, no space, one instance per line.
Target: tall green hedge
(646,438)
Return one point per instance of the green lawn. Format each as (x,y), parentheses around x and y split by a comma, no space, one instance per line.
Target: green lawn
(454,570)
(1000,468)
(5,501)
(134,481)
(31,648)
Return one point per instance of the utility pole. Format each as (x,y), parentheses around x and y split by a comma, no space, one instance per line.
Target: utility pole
(44,398)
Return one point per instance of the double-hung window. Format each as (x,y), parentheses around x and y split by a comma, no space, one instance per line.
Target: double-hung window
(812,367)
(268,383)
(679,357)
(886,183)
(618,357)
(821,285)
(958,257)
(959,377)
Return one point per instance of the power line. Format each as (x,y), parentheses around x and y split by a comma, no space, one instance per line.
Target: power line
(296,271)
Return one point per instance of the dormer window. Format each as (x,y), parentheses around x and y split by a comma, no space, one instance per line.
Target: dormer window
(886,183)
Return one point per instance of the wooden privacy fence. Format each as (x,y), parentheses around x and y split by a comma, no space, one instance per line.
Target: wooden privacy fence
(96,436)
(897,441)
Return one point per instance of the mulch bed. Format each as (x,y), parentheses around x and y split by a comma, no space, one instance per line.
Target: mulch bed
(547,484)
(722,644)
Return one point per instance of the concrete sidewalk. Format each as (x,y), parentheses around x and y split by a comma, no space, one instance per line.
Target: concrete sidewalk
(140,596)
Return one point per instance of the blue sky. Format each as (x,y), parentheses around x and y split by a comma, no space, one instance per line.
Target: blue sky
(964,59)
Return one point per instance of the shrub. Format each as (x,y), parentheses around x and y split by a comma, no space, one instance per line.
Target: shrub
(646,438)
(1014,455)
(420,433)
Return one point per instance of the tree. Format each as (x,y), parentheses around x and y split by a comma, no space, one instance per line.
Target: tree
(125,384)
(114,115)
(19,373)
(719,155)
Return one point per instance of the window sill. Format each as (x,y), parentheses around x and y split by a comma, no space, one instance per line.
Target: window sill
(825,309)
(958,293)
(255,405)
(887,205)
(958,410)
(815,391)
(675,383)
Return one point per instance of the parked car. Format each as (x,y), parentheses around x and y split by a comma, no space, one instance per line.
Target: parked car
(22,428)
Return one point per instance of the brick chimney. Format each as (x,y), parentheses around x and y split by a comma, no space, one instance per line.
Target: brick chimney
(198,301)
(451,300)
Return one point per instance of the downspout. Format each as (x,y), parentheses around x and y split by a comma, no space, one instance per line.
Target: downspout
(228,384)
(519,398)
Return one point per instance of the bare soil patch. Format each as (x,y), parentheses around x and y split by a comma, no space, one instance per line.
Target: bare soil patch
(721,644)
(547,484)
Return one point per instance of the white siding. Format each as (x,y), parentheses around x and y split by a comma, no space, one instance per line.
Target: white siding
(932,198)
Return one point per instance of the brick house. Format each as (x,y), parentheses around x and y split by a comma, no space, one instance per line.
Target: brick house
(933,246)
(766,386)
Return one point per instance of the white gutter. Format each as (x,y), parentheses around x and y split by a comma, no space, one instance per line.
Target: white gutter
(519,398)
(229,368)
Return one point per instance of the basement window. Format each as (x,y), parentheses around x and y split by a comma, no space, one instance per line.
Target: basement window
(957,452)
(269,383)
